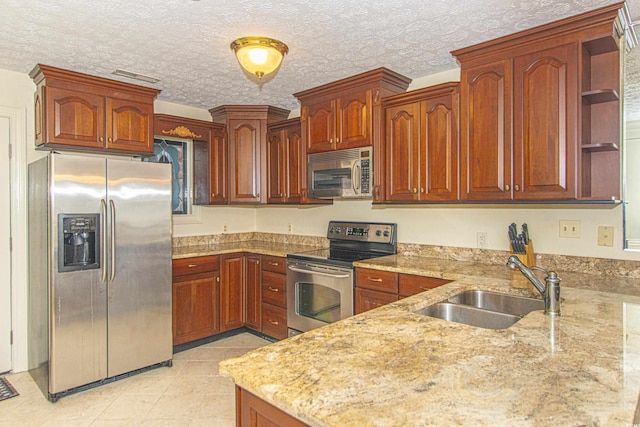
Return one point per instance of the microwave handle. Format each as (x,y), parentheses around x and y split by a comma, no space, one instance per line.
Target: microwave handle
(356,176)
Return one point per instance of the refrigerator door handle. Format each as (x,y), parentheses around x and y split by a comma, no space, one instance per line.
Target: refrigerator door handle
(112,207)
(103,236)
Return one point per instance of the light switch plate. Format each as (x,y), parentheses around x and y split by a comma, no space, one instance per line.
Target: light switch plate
(605,236)
(570,228)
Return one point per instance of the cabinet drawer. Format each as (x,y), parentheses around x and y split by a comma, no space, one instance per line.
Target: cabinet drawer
(411,284)
(274,321)
(274,288)
(274,263)
(192,265)
(385,281)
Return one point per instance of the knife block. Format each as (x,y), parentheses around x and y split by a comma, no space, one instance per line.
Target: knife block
(529,258)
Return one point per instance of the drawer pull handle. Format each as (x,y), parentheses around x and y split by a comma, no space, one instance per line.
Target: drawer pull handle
(273,322)
(374,279)
(218,279)
(273,289)
(193,265)
(274,263)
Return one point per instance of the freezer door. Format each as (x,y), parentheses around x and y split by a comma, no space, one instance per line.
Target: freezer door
(77,299)
(139,271)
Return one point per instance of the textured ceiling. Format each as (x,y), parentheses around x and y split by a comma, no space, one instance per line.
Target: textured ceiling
(185,43)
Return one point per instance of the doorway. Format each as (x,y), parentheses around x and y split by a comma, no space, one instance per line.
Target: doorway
(5,250)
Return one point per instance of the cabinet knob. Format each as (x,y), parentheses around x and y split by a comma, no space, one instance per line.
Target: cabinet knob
(422,189)
(110,139)
(415,190)
(218,279)
(213,195)
(338,140)
(516,187)
(101,139)
(258,195)
(507,187)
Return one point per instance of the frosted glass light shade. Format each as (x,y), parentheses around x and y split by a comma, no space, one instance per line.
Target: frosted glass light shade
(259,55)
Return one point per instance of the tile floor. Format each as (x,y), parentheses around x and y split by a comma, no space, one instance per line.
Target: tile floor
(190,393)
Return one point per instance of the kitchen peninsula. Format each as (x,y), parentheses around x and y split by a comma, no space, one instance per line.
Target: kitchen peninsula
(392,367)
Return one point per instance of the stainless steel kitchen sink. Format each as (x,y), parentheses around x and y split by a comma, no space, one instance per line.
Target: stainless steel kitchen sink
(494,301)
(469,315)
(483,309)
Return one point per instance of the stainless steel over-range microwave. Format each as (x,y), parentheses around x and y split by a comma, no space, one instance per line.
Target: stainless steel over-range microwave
(341,174)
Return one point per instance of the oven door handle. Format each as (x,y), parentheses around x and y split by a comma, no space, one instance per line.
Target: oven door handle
(302,270)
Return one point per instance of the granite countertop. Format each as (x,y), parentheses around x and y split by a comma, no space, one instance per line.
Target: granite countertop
(392,367)
(253,246)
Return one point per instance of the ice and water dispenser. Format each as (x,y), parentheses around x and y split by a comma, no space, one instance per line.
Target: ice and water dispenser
(78,242)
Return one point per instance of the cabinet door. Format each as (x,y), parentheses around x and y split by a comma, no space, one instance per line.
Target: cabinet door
(276,167)
(296,158)
(252,294)
(252,411)
(319,122)
(74,118)
(485,138)
(244,160)
(231,286)
(354,120)
(403,134)
(368,300)
(129,126)
(218,167)
(195,307)
(439,149)
(545,124)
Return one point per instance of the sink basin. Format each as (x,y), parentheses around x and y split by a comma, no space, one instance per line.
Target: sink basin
(469,315)
(503,303)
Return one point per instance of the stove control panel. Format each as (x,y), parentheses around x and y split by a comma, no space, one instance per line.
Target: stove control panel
(377,232)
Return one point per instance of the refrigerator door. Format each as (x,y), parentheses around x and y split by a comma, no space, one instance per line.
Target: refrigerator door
(139,271)
(77,299)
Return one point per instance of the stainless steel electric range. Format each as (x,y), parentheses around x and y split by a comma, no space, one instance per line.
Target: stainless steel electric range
(320,283)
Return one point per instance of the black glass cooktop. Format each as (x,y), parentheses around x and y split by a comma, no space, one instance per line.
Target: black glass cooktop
(340,257)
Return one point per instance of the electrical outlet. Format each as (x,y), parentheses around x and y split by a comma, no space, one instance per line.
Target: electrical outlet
(224,228)
(290,227)
(483,240)
(570,229)
(605,236)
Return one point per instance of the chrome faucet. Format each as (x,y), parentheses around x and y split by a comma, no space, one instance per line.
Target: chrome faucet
(550,290)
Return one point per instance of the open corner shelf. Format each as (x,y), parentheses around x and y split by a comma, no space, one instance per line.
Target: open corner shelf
(600,96)
(603,146)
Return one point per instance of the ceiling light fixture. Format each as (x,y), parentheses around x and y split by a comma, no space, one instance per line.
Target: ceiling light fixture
(259,55)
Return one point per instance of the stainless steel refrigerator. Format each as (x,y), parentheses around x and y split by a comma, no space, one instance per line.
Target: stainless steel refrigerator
(100,270)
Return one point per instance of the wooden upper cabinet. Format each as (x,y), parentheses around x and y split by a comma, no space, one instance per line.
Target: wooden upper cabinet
(541,151)
(209,154)
(545,124)
(348,114)
(247,148)
(81,112)
(422,145)
(485,131)
(287,164)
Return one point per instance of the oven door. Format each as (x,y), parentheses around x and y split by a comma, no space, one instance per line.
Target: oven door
(317,294)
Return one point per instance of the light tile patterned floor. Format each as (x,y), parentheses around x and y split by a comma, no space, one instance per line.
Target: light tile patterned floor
(191,393)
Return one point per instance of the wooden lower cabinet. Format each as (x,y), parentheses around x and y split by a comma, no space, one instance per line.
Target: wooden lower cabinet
(231,291)
(196,298)
(251,411)
(368,300)
(375,288)
(253,292)
(274,297)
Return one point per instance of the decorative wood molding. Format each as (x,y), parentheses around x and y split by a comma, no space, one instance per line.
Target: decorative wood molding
(181,131)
